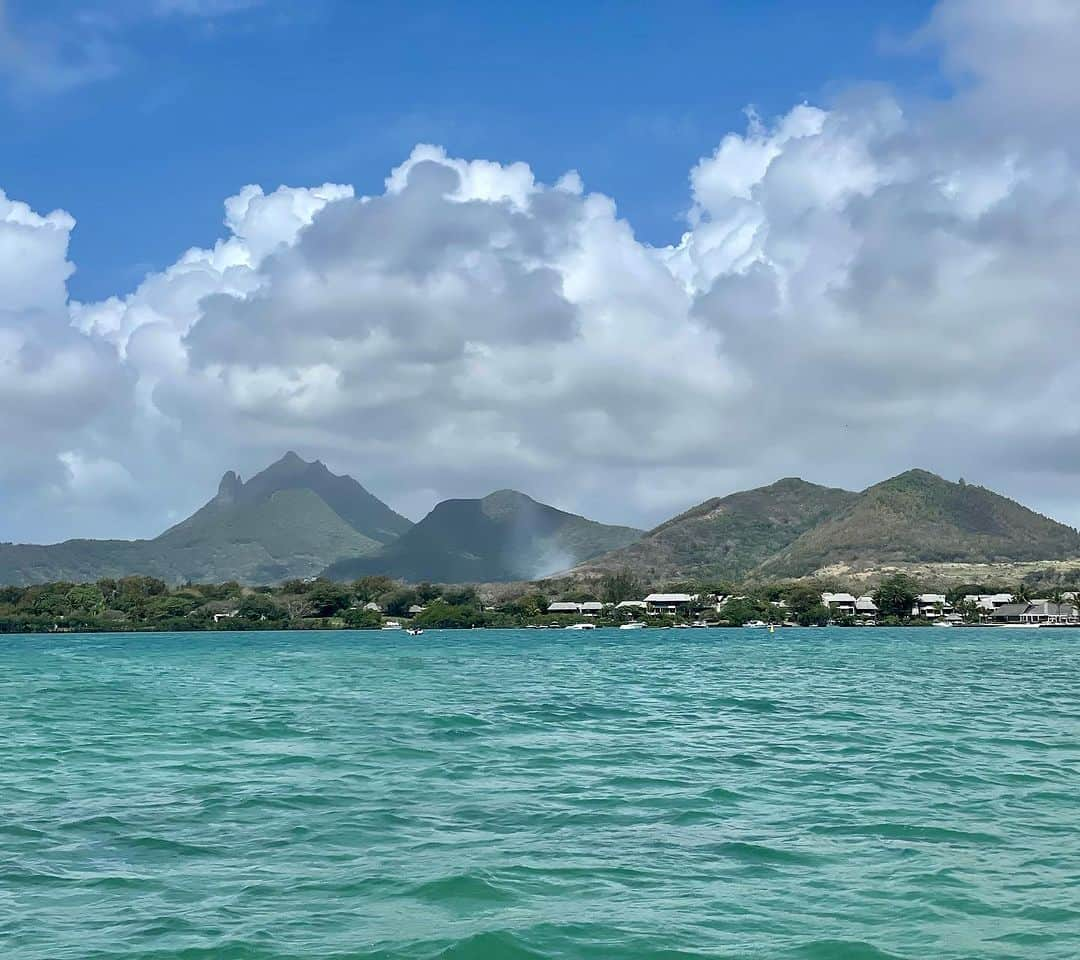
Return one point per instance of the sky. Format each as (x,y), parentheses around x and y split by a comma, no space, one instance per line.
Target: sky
(621,256)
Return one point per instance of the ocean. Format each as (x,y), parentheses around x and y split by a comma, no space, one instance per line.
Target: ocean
(838,794)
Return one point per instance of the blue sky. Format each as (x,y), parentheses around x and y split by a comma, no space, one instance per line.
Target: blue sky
(837,289)
(182,111)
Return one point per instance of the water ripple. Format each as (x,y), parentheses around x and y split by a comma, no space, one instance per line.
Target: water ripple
(824,795)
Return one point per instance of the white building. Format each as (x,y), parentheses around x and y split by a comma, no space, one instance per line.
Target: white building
(564,606)
(592,608)
(839,604)
(865,608)
(668,602)
(988,602)
(931,606)
(631,605)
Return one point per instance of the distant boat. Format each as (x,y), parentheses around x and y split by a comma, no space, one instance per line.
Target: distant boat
(757,624)
(633,625)
(582,626)
(414,631)
(391,625)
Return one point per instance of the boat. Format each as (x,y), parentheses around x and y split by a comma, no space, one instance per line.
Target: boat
(632,625)
(414,631)
(582,626)
(756,624)
(391,625)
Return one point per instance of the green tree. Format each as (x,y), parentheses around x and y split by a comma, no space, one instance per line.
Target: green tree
(369,589)
(397,603)
(620,585)
(447,616)
(85,599)
(741,610)
(168,608)
(896,595)
(258,607)
(461,596)
(426,592)
(327,598)
(360,619)
(802,598)
(815,615)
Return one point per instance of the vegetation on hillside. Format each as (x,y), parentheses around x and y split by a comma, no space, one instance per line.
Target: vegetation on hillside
(290,520)
(727,537)
(918,516)
(505,536)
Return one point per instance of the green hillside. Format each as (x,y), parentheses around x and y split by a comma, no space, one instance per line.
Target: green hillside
(920,517)
(503,537)
(726,537)
(290,520)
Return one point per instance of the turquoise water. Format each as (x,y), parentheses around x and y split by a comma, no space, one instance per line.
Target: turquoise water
(834,794)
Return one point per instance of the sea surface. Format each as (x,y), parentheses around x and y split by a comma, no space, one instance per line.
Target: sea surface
(824,794)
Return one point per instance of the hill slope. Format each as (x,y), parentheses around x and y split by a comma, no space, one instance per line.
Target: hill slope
(727,536)
(920,517)
(504,536)
(290,520)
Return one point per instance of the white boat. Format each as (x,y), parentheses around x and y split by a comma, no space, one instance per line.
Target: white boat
(633,625)
(757,624)
(391,625)
(582,626)
(414,631)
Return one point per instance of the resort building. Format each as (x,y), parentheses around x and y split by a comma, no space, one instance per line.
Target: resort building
(564,606)
(865,608)
(668,602)
(592,608)
(930,606)
(1037,611)
(839,604)
(988,602)
(631,605)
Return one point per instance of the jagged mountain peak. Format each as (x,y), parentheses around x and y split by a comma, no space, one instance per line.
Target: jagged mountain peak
(230,488)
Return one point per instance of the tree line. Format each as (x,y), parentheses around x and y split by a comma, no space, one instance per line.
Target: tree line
(146,603)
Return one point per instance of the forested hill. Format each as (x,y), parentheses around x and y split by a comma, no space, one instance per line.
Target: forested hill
(291,520)
(503,536)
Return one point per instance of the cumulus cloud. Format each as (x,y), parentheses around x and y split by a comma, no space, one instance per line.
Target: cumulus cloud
(860,288)
(58,387)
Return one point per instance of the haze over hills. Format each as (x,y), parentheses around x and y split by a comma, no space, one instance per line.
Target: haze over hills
(501,537)
(290,520)
(297,519)
(726,537)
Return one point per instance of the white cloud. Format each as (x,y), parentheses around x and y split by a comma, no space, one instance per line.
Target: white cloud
(859,289)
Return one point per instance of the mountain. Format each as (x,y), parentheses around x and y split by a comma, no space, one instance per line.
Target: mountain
(726,537)
(504,536)
(920,517)
(291,520)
